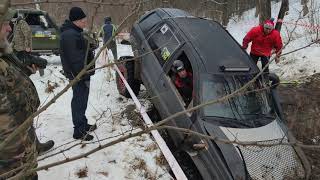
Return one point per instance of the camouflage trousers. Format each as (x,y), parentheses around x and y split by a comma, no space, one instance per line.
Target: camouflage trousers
(16,168)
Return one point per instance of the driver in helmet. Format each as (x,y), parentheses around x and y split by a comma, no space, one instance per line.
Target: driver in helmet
(183,81)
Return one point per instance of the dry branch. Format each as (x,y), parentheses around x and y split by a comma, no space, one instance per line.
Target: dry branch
(27,123)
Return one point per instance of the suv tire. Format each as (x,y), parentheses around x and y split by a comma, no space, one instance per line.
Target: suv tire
(187,165)
(127,70)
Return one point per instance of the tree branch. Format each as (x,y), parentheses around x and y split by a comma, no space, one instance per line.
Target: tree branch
(27,123)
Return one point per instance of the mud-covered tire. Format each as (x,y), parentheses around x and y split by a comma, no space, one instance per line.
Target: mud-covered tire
(127,70)
(182,157)
(187,165)
(120,85)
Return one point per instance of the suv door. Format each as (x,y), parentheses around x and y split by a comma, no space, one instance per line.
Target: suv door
(162,43)
(171,100)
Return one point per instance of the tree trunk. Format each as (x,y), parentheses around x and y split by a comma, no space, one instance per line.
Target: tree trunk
(225,13)
(265,10)
(283,9)
(305,8)
(257,8)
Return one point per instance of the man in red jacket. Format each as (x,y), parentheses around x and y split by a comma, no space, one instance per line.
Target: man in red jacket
(264,38)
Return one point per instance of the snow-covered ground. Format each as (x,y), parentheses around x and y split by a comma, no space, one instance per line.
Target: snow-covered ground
(295,65)
(136,157)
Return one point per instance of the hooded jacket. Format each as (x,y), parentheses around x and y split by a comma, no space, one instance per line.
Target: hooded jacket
(108,30)
(262,44)
(72,49)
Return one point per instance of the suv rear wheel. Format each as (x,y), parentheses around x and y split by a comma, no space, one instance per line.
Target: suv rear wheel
(127,70)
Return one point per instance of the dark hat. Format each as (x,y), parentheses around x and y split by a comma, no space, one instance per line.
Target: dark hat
(76,13)
(107,18)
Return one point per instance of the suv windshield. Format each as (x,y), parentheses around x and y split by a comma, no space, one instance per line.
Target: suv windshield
(248,110)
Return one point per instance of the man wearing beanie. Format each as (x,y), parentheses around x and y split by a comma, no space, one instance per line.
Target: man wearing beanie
(264,38)
(73,48)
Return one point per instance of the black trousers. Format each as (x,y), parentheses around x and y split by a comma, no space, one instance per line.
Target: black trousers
(264,61)
(79,104)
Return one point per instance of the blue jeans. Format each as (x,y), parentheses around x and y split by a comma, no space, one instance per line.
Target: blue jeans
(79,104)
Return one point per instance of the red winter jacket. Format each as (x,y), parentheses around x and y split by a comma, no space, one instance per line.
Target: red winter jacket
(262,44)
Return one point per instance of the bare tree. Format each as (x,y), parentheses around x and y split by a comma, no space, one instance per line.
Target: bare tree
(283,9)
(305,8)
(264,10)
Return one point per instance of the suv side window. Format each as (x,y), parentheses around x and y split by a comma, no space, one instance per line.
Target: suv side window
(163,42)
(148,22)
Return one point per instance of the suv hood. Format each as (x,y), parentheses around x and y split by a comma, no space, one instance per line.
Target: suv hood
(269,132)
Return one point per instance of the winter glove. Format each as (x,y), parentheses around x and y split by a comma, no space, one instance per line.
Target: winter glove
(244,47)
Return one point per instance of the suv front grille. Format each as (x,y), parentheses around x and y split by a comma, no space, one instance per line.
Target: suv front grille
(272,162)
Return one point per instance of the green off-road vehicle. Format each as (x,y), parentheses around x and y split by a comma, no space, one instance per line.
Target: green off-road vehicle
(45,32)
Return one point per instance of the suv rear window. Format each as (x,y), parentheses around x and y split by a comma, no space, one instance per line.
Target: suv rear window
(163,42)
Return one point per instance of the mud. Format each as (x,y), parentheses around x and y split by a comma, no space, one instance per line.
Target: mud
(301,105)
(133,116)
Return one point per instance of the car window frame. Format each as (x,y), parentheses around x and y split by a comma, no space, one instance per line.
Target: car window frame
(175,35)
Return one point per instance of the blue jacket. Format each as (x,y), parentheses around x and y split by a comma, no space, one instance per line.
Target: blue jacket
(108,29)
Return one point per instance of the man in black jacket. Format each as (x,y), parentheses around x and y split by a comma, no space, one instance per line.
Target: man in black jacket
(74,56)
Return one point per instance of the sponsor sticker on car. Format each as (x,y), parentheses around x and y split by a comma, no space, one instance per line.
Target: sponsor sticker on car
(41,34)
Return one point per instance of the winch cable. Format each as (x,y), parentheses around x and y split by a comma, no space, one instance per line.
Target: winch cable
(174,165)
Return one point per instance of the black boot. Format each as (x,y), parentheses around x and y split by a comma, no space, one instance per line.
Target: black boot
(43,147)
(82,135)
(90,128)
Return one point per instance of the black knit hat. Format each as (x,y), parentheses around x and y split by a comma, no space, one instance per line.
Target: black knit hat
(76,13)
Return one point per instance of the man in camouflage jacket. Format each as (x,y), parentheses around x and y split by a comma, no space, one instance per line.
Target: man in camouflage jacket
(18,100)
(22,42)
(22,39)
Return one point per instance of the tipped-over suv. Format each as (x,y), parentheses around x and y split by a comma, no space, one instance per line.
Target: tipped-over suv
(219,67)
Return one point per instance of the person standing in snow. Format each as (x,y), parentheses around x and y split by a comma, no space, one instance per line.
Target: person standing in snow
(73,53)
(22,42)
(264,38)
(18,100)
(108,30)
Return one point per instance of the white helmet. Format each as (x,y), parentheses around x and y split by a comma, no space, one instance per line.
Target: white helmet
(178,65)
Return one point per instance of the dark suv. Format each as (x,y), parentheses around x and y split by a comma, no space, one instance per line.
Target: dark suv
(45,32)
(219,67)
